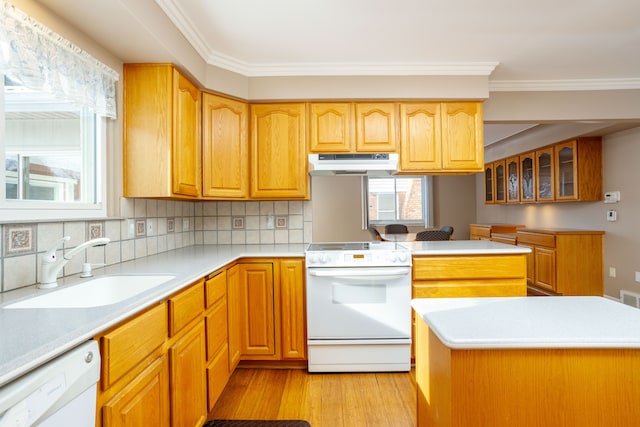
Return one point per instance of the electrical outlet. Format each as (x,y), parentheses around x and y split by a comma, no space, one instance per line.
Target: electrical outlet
(131,228)
(185,224)
(612,216)
(270,221)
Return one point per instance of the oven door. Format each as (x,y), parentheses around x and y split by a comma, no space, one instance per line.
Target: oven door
(359,303)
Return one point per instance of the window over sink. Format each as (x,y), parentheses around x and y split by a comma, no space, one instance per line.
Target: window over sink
(55,101)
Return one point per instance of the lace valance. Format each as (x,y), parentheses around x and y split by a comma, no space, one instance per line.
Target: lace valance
(42,60)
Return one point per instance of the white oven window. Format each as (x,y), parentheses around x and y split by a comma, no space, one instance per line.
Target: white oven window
(359,294)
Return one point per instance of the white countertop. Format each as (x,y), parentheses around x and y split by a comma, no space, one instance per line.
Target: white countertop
(531,322)
(463,247)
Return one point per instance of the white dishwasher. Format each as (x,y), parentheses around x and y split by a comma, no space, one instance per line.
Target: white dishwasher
(60,393)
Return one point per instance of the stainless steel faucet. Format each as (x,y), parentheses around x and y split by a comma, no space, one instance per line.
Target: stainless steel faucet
(51,265)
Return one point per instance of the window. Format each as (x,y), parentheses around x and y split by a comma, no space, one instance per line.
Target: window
(54,103)
(404,200)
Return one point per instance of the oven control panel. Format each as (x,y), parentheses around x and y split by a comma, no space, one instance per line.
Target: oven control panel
(358,258)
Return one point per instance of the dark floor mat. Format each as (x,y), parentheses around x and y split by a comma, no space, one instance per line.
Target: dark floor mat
(257,423)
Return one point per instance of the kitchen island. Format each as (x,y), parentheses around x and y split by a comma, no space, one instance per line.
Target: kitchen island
(554,361)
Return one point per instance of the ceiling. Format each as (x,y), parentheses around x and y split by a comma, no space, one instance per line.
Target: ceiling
(517,44)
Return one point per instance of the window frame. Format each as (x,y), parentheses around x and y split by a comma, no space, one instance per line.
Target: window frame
(427,202)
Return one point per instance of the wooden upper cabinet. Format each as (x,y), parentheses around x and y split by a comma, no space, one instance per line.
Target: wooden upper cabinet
(376,127)
(500,181)
(462,137)
(489,187)
(420,141)
(225,148)
(513,179)
(527,177)
(331,127)
(162,142)
(545,172)
(442,137)
(578,172)
(279,164)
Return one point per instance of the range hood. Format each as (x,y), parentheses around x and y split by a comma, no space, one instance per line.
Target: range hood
(370,164)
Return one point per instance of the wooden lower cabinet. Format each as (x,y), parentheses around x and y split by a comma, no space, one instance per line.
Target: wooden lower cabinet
(188,383)
(143,401)
(271,309)
(564,261)
(167,365)
(467,276)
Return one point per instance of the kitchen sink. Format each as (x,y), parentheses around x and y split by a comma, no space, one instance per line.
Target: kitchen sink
(97,292)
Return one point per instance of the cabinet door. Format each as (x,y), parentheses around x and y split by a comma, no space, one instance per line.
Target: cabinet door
(292,307)
(279,164)
(545,268)
(331,127)
(257,311)
(530,264)
(488,184)
(527,178)
(500,180)
(188,379)
(420,144)
(225,148)
(462,136)
(376,127)
(513,180)
(186,137)
(566,172)
(234,310)
(144,401)
(545,173)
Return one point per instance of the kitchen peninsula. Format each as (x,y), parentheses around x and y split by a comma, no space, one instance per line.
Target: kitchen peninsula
(561,361)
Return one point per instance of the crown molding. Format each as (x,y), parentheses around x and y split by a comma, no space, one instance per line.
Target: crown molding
(352,69)
(563,85)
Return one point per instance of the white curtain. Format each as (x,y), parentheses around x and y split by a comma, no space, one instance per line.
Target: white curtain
(42,60)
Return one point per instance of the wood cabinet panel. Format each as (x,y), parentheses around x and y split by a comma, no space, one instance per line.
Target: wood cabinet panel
(256,294)
(292,309)
(217,376)
(162,139)
(421,136)
(331,127)
(188,383)
(468,267)
(528,180)
(225,147)
(126,346)
(279,164)
(143,401)
(216,326)
(462,136)
(489,184)
(376,127)
(234,316)
(564,262)
(500,181)
(185,307)
(545,189)
(215,288)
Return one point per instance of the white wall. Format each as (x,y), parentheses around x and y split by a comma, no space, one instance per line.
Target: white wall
(621,153)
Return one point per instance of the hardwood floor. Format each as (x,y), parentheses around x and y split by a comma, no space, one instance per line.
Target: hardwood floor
(324,400)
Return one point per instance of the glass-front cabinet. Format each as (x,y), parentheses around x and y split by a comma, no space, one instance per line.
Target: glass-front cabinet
(488,183)
(528,178)
(566,171)
(513,179)
(500,179)
(545,172)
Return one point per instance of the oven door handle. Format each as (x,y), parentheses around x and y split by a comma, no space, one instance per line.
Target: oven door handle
(360,272)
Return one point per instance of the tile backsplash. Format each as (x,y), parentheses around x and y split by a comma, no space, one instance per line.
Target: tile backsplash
(147,227)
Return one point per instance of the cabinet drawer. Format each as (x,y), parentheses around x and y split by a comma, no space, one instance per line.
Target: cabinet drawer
(460,267)
(480,231)
(548,240)
(480,288)
(185,306)
(216,326)
(126,346)
(215,288)
(217,376)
